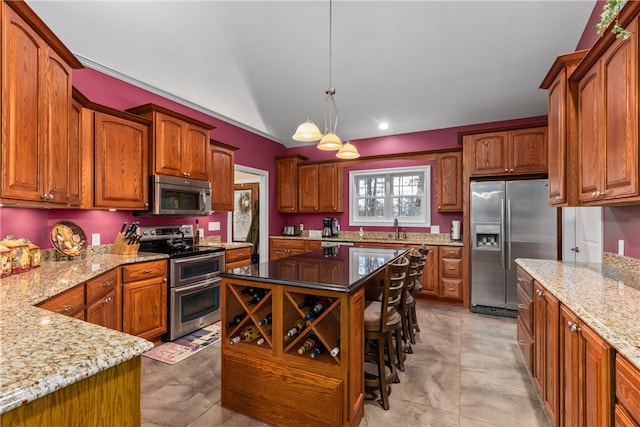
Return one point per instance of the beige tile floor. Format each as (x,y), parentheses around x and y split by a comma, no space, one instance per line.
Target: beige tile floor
(466,371)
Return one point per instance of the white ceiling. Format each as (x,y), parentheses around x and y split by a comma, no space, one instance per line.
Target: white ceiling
(264,65)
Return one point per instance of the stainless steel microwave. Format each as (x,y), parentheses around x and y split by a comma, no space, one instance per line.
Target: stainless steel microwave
(173,196)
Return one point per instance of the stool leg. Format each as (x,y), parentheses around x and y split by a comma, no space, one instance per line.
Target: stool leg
(382,375)
(399,352)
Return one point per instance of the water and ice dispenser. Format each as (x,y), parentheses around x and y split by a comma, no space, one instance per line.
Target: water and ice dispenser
(486,237)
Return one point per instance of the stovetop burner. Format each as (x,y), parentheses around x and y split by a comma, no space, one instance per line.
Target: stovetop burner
(175,241)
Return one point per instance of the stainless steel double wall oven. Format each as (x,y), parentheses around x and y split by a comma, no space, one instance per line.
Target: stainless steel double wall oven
(194,278)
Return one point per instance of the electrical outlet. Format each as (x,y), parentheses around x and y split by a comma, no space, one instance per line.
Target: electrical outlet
(620,247)
(95,239)
(200,232)
(214,226)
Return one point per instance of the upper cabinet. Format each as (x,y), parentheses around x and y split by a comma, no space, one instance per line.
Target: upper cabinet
(221,175)
(36,111)
(563,132)
(606,85)
(449,181)
(508,152)
(320,187)
(287,183)
(180,144)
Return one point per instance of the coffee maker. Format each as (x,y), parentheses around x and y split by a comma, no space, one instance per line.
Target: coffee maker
(329,227)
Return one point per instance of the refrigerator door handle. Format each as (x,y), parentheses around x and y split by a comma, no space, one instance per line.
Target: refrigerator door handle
(508,262)
(501,243)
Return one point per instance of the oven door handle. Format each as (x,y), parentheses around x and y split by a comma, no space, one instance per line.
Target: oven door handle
(197,258)
(198,285)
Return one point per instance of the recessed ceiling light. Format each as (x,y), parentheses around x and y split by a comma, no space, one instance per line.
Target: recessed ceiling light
(383,126)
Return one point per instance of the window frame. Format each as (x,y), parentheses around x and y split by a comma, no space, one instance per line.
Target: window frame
(355,220)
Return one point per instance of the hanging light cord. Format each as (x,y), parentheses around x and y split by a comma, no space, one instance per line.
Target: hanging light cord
(331,91)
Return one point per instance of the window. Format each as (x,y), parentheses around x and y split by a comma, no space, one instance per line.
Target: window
(378,196)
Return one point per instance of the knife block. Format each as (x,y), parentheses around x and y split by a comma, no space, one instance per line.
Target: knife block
(120,246)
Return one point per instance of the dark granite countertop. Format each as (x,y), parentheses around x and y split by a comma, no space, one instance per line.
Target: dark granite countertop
(343,269)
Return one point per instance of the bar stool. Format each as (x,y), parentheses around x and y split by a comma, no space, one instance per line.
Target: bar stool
(416,267)
(381,320)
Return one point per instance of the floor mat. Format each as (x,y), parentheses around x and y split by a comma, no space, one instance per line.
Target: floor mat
(175,351)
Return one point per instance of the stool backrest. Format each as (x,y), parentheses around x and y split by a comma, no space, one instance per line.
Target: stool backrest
(396,276)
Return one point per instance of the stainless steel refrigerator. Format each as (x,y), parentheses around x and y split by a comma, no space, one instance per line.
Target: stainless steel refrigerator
(509,220)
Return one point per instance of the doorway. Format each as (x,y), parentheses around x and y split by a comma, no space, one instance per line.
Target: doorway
(582,234)
(249,221)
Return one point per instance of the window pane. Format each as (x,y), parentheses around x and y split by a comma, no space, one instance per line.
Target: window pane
(371,186)
(408,185)
(371,207)
(407,207)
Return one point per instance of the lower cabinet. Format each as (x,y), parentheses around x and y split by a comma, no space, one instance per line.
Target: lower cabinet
(69,302)
(104,301)
(545,338)
(282,248)
(627,411)
(237,257)
(442,275)
(144,302)
(586,370)
(525,321)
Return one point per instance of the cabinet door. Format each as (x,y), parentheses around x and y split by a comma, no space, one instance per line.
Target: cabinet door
(194,152)
(75,154)
(308,188)
(449,182)
(598,382)
(287,184)
(528,150)
(591,150)
(121,179)
(570,411)
(168,144)
(429,278)
(330,188)
(222,178)
(145,308)
(620,121)
(23,98)
(104,311)
(557,113)
(69,302)
(545,336)
(489,153)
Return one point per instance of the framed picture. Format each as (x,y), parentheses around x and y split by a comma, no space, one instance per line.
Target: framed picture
(242,214)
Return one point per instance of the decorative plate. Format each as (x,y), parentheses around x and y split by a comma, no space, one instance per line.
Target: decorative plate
(68,239)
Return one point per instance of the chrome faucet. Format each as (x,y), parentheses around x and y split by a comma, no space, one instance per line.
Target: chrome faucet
(395,225)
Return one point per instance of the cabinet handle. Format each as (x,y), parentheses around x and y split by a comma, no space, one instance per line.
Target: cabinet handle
(65,308)
(539,293)
(511,170)
(506,170)
(521,343)
(108,283)
(574,327)
(452,289)
(108,300)
(523,306)
(147,271)
(557,198)
(452,268)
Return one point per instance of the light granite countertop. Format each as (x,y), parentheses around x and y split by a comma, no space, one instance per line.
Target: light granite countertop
(440,239)
(607,305)
(42,351)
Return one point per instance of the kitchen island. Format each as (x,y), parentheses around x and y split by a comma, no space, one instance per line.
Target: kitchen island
(276,380)
(58,370)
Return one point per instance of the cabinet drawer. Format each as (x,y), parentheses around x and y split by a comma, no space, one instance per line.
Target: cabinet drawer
(451,288)
(450,267)
(144,270)
(289,244)
(237,264)
(525,282)
(628,387)
(68,302)
(313,245)
(525,309)
(525,343)
(101,285)
(236,254)
(451,252)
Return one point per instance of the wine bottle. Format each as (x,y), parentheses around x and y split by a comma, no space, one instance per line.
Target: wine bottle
(247,290)
(248,334)
(320,305)
(316,351)
(261,339)
(308,301)
(336,349)
(255,300)
(297,327)
(310,315)
(309,343)
(266,320)
(236,320)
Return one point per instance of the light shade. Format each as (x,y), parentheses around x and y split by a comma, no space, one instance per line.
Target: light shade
(329,142)
(348,151)
(307,131)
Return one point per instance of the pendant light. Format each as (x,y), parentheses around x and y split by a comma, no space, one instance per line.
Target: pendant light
(329,141)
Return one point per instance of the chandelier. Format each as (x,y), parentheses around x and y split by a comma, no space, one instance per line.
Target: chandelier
(329,140)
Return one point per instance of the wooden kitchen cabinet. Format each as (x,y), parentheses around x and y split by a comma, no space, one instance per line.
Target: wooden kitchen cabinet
(449,181)
(563,130)
(287,183)
(450,270)
(546,312)
(586,375)
(607,115)
(70,302)
(144,301)
(180,144)
(507,152)
(282,248)
(237,257)
(221,175)
(36,108)
(104,301)
(627,409)
(320,187)
(121,172)
(429,278)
